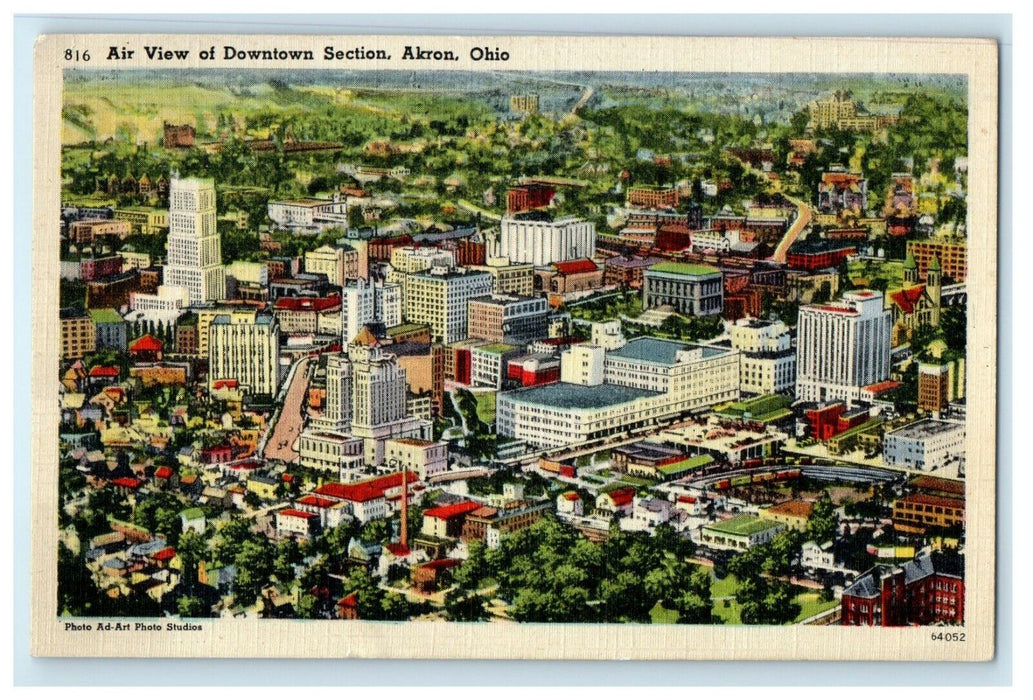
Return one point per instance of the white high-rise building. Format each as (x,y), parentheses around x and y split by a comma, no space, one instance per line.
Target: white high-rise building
(378,402)
(530,239)
(244,346)
(378,389)
(767,361)
(842,347)
(388,304)
(358,307)
(194,246)
(337,410)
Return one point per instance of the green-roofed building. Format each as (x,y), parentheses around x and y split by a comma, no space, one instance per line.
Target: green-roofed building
(677,470)
(740,533)
(110,329)
(696,290)
(762,409)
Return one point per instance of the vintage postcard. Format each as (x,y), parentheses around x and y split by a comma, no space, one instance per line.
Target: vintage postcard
(514,347)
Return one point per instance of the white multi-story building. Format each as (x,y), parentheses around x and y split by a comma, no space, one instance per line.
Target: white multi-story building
(339,263)
(439,298)
(767,361)
(337,408)
(927,445)
(379,402)
(165,299)
(194,246)
(535,239)
(582,364)
(309,214)
(645,382)
(693,375)
(842,347)
(329,451)
(421,457)
(608,335)
(244,345)
(408,260)
(387,304)
(358,307)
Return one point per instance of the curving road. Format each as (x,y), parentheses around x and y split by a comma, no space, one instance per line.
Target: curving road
(802,221)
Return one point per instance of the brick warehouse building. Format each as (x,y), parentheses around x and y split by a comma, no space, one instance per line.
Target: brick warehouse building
(925,591)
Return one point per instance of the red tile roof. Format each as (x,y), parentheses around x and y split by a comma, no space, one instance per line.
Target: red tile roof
(128,482)
(882,387)
(164,554)
(147,343)
(686,499)
(452,511)
(572,496)
(398,549)
(163,472)
(292,513)
(363,491)
(907,298)
(307,303)
(575,267)
(316,501)
(622,497)
(225,384)
(104,371)
(439,564)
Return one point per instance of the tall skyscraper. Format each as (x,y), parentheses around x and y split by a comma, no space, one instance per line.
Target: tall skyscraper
(378,390)
(194,247)
(337,411)
(842,347)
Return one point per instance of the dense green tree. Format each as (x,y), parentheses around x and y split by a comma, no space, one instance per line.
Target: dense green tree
(823,521)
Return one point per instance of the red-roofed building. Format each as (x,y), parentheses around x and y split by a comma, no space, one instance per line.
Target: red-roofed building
(291,522)
(427,578)
(368,500)
(330,512)
(146,349)
(103,375)
(306,315)
(875,392)
(126,485)
(842,191)
(447,521)
(621,500)
(567,277)
(166,477)
(570,503)
(348,607)
(164,556)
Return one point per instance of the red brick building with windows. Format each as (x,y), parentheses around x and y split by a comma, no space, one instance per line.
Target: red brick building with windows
(925,591)
(648,196)
(819,255)
(527,197)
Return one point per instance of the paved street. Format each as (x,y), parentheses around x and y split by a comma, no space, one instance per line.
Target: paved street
(285,433)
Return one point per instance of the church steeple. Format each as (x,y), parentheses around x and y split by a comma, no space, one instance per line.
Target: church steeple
(910,271)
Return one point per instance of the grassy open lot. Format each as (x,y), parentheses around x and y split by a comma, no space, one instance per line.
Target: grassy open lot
(486,406)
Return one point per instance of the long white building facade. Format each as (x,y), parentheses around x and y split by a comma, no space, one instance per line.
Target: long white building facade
(542,242)
(842,347)
(647,381)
